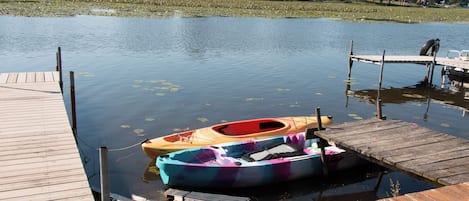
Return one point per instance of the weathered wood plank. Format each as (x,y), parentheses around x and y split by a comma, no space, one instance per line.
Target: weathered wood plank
(43,182)
(454,153)
(456,179)
(30,77)
(21,78)
(456,169)
(40,77)
(12,78)
(56,75)
(51,190)
(3,78)
(48,77)
(72,194)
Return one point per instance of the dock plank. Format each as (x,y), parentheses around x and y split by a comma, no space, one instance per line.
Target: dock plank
(21,78)
(447,193)
(405,146)
(12,78)
(3,78)
(30,77)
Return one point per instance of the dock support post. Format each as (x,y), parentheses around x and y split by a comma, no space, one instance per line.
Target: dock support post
(59,68)
(104,175)
(350,62)
(378,180)
(72,104)
(433,69)
(379,111)
(322,143)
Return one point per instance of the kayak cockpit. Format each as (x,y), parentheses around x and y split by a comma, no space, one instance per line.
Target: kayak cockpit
(249,127)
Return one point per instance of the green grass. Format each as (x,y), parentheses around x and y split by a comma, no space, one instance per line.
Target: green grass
(352,11)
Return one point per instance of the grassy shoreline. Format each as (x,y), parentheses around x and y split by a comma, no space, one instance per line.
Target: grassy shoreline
(356,11)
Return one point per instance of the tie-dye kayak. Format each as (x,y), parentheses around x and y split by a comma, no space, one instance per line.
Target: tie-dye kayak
(247,163)
(250,129)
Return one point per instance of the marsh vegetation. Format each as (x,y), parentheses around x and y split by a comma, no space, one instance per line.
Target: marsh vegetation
(343,10)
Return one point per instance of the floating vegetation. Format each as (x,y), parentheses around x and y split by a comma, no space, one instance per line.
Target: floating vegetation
(417,104)
(202,119)
(86,74)
(355,116)
(445,125)
(125,126)
(160,86)
(149,119)
(173,89)
(254,99)
(180,129)
(139,132)
(282,89)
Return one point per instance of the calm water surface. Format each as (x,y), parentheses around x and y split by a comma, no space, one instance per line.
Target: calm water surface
(145,78)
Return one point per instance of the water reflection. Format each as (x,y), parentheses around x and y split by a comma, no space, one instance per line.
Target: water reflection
(454,93)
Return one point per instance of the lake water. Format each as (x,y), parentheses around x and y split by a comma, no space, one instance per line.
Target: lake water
(144,78)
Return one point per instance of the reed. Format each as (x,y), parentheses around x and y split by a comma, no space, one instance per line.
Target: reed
(342,10)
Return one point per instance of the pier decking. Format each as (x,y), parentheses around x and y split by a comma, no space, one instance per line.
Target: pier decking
(405,146)
(376,59)
(39,159)
(447,193)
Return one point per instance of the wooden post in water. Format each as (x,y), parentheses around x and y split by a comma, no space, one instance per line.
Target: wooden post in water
(379,110)
(322,143)
(59,68)
(104,174)
(350,62)
(72,103)
(433,69)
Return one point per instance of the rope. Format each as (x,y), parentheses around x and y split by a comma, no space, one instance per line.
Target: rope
(115,149)
(128,147)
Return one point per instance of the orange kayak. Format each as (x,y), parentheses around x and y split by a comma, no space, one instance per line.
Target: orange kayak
(231,132)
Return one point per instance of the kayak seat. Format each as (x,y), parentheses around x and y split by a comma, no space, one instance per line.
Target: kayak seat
(281,150)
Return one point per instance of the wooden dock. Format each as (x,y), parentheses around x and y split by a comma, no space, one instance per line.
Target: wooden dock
(404,146)
(176,194)
(447,193)
(442,61)
(39,159)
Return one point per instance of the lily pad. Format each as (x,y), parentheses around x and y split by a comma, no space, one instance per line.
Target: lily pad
(282,89)
(445,125)
(254,99)
(125,126)
(139,132)
(149,119)
(202,119)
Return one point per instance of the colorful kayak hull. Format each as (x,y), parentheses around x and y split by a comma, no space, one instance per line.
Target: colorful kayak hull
(231,132)
(220,166)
